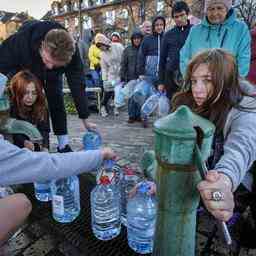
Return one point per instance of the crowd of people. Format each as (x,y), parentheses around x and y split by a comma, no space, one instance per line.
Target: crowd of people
(203,66)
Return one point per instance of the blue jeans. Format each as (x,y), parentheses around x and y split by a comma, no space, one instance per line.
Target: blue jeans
(133,108)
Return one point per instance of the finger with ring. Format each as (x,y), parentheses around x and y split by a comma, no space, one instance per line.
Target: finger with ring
(217,196)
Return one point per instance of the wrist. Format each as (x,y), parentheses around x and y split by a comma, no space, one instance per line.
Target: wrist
(226,180)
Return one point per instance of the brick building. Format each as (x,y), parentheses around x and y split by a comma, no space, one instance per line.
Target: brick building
(10,22)
(107,15)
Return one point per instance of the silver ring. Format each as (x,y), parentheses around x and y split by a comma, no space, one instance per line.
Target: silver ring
(217,196)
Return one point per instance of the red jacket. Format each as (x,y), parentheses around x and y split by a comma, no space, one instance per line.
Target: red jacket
(252,73)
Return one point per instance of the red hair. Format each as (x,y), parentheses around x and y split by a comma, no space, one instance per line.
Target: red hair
(18,83)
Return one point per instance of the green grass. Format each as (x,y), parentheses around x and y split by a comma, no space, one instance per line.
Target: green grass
(69,104)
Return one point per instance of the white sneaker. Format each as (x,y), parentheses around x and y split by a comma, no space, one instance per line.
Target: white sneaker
(103,111)
(116,112)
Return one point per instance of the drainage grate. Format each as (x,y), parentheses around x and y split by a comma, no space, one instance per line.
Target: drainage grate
(78,233)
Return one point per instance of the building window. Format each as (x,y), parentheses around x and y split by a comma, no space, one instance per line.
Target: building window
(76,21)
(110,17)
(87,22)
(56,10)
(160,6)
(85,4)
(124,14)
(75,6)
(65,8)
(66,23)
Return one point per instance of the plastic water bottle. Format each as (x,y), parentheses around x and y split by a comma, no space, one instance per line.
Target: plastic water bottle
(163,105)
(150,105)
(5,191)
(65,199)
(130,179)
(141,92)
(111,169)
(105,210)
(43,191)
(92,140)
(141,218)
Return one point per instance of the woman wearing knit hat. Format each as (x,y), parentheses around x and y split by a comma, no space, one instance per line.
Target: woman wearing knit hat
(219,29)
(110,65)
(116,37)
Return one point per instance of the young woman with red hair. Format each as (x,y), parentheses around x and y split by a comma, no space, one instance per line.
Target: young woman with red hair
(28,103)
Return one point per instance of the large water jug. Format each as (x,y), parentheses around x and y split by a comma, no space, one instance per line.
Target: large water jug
(141,92)
(105,210)
(163,105)
(141,218)
(43,191)
(92,140)
(65,199)
(150,105)
(130,179)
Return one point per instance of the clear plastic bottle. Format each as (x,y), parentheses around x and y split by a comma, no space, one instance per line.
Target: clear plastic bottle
(65,199)
(92,140)
(43,191)
(163,105)
(6,191)
(111,169)
(130,179)
(141,92)
(150,105)
(141,218)
(105,210)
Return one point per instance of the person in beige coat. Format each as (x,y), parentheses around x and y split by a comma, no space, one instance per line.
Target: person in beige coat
(110,66)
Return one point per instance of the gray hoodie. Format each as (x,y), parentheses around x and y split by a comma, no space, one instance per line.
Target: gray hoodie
(24,166)
(239,143)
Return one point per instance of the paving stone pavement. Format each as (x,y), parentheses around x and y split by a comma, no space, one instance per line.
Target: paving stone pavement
(129,141)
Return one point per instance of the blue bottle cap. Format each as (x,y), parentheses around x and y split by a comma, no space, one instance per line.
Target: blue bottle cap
(108,164)
(144,187)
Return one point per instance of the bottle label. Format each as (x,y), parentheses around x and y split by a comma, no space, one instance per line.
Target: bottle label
(58,205)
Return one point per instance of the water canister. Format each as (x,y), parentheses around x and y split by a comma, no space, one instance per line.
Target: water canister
(65,199)
(141,219)
(105,210)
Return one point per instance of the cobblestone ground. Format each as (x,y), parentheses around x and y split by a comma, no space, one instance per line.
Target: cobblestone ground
(129,141)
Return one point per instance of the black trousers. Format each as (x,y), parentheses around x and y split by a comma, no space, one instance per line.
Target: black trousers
(106,97)
(170,83)
(55,99)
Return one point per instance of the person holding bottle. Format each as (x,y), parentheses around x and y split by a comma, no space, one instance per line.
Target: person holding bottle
(214,90)
(149,59)
(49,51)
(20,166)
(110,62)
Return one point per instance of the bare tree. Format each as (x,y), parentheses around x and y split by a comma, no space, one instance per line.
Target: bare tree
(246,9)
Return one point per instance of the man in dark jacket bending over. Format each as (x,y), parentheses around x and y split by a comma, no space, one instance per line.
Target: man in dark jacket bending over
(49,51)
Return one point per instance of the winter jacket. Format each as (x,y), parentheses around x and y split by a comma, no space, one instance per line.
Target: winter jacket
(172,42)
(24,166)
(149,53)
(128,69)
(252,73)
(110,62)
(233,35)
(239,143)
(21,51)
(94,57)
